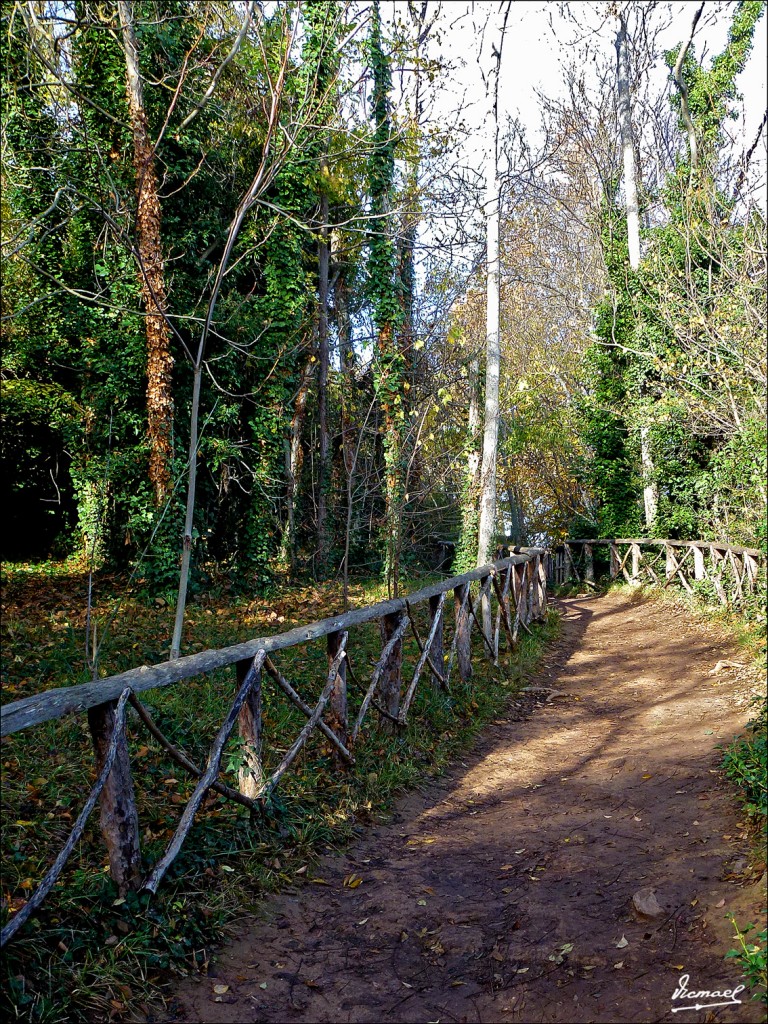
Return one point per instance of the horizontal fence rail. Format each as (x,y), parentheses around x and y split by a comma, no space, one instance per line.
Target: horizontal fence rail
(517,585)
(729,570)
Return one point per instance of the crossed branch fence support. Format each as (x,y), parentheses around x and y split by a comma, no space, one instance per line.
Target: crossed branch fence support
(106,703)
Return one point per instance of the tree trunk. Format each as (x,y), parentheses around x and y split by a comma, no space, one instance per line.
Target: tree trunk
(627,146)
(295,458)
(151,272)
(650,487)
(323,539)
(650,490)
(467,546)
(487,523)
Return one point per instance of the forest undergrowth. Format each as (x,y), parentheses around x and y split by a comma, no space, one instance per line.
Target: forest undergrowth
(90,955)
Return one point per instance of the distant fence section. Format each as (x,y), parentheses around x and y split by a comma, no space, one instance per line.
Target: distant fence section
(509,595)
(730,571)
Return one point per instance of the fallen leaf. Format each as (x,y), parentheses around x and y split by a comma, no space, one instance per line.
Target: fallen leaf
(263,984)
(220,989)
(618,966)
(364,921)
(421,903)
(301,871)
(319,881)
(227,868)
(720,903)
(623,941)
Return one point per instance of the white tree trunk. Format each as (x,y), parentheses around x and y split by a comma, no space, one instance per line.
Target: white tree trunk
(628,149)
(487,523)
(650,490)
(486,529)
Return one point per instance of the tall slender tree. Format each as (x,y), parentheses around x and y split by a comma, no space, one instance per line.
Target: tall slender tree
(650,487)
(486,528)
(384,291)
(151,269)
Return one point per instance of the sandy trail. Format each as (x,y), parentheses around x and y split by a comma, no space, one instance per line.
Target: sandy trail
(504,892)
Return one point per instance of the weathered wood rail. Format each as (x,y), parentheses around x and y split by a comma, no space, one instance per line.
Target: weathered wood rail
(517,583)
(732,572)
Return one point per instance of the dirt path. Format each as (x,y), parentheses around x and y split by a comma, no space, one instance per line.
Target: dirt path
(504,892)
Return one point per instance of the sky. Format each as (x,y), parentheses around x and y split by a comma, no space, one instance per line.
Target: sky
(539,40)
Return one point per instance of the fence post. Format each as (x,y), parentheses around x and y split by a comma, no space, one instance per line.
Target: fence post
(544,608)
(522,591)
(390,680)
(670,567)
(750,571)
(485,607)
(615,561)
(337,718)
(699,572)
(436,650)
(636,556)
(716,558)
(250,775)
(533,570)
(119,818)
(589,564)
(463,650)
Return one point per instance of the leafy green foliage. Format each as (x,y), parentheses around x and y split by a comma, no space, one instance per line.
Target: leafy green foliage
(746,764)
(752,956)
(677,354)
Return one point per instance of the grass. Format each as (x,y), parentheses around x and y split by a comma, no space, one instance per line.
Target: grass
(87,955)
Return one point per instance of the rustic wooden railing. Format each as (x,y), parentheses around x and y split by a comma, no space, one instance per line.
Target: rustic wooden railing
(731,571)
(518,580)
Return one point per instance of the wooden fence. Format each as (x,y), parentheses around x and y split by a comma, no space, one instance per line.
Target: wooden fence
(730,571)
(515,584)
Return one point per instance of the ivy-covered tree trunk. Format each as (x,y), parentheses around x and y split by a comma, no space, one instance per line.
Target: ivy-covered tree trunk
(384,290)
(151,271)
(287,555)
(323,532)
